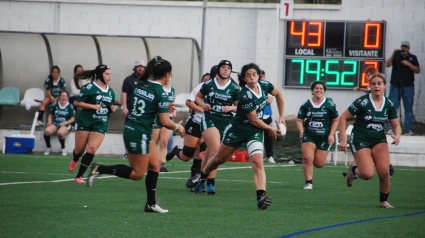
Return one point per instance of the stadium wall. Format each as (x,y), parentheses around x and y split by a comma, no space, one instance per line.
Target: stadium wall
(239,32)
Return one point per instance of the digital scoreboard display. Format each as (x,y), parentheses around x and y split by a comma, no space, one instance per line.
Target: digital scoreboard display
(335,52)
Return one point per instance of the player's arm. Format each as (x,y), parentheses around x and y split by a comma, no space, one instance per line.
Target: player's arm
(192,105)
(165,120)
(200,101)
(342,122)
(397,131)
(280,104)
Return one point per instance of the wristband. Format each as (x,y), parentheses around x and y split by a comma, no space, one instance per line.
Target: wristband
(177,127)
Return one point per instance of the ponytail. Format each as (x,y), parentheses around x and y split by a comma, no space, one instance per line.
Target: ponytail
(156,69)
(87,75)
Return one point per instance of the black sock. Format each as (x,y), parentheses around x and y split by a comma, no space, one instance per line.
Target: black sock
(309,181)
(40,115)
(62,143)
(383,197)
(151,180)
(75,157)
(192,170)
(211,181)
(353,169)
(119,170)
(85,163)
(197,163)
(260,193)
(47,139)
(178,153)
(204,177)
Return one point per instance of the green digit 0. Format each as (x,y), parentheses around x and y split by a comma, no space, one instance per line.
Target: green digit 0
(353,72)
(336,73)
(317,71)
(301,69)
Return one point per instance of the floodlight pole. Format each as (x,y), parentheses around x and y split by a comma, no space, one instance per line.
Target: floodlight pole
(204,22)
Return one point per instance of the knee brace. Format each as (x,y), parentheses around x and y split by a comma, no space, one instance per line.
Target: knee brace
(202,147)
(189,152)
(255,147)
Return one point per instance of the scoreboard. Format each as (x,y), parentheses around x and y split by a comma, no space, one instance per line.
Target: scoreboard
(336,52)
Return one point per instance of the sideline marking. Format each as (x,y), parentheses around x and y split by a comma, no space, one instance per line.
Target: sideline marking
(103,177)
(351,223)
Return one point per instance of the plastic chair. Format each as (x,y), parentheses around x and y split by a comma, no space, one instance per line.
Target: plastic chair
(9,96)
(32,98)
(337,143)
(180,102)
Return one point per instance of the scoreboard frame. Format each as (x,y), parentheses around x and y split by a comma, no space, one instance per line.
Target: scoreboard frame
(335,52)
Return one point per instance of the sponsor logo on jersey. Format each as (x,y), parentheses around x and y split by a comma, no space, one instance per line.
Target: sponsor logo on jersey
(315,124)
(376,127)
(354,108)
(249,94)
(308,114)
(368,117)
(144,94)
(133,144)
(364,102)
(98,97)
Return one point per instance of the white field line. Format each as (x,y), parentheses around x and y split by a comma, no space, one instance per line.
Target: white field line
(222,180)
(103,177)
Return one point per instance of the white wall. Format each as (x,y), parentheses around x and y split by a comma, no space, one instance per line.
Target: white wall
(241,33)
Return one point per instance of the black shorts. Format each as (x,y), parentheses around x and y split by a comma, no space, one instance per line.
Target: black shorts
(193,128)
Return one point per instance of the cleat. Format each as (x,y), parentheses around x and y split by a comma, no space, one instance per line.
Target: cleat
(385,204)
(211,190)
(199,189)
(79,180)
(155,208)
(191,182)
(163,169)
(349,178)
(64,153)
(47,151)
(308,186)
(39,123)
(72,165)
(192,190)
(172,153)
(264,202)
(345,174)
(93,174)
(270,160)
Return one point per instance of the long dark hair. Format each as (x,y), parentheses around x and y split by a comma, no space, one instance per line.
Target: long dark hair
(91,75)
(50,77)
(156,69)
(245,68)
(76,83)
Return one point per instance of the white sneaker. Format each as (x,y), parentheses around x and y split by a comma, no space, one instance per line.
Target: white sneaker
(270,160)
(308,186)
(390,132)
(155,208)
(64,153)
(47,151)
(39,123)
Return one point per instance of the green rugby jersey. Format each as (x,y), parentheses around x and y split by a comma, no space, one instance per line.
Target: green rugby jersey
(62,114)
(250,101)
(370,120)
(149,100)
(318,118)
(93,94)
(56,88)
(219,97)
(170,99)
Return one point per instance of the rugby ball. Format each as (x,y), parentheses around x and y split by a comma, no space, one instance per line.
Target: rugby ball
(282,128)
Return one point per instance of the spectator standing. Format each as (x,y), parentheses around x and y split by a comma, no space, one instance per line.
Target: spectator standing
(402,86)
